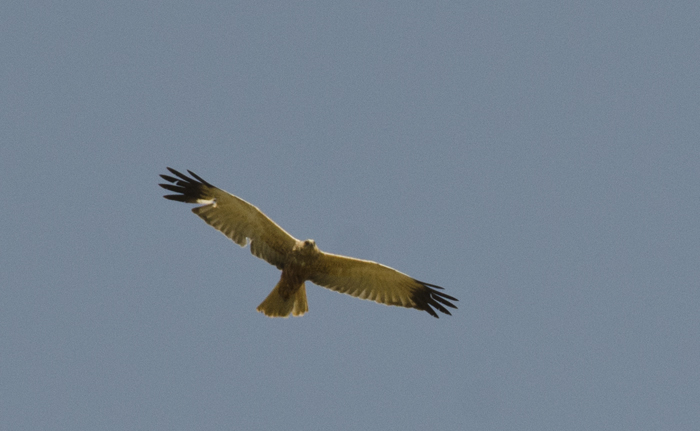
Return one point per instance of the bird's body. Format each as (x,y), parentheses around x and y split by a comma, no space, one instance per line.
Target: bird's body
(300,261)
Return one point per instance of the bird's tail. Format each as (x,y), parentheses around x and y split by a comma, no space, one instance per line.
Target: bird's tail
(276,305)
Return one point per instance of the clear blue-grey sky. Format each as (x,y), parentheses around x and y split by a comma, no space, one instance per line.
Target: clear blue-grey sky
(540,160)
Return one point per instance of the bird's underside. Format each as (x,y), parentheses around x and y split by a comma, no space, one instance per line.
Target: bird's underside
(300,261)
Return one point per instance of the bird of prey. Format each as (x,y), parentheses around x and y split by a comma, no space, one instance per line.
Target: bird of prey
(300,260)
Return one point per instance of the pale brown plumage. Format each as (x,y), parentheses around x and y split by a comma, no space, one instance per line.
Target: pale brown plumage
(300,260)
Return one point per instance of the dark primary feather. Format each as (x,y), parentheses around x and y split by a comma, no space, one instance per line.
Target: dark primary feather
(425,298)
(190,190)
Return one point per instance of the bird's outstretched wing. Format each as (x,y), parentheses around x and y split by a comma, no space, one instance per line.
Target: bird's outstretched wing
(232,216)
(370,280)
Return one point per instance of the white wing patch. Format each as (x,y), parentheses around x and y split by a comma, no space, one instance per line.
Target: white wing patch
(207,201)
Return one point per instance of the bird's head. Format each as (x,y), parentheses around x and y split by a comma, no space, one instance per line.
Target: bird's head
(309,246)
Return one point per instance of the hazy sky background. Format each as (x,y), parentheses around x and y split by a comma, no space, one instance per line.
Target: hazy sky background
(540,160)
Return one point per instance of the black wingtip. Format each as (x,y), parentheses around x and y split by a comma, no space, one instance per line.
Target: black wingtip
(198,178)
(168,178)
(426,297)
(178,198)
(183,177)
(190,190)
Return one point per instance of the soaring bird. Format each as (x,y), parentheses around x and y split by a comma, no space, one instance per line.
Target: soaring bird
(300,260)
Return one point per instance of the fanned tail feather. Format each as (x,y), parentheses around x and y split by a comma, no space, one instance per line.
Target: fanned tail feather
(276,305)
